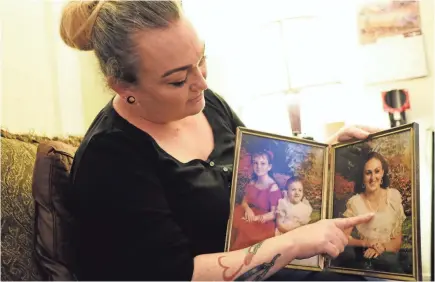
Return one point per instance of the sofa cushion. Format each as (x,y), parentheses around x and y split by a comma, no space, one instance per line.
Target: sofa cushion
(17,210)
(52,221)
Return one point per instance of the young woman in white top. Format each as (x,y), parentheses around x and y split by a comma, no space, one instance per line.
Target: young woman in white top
(381,238)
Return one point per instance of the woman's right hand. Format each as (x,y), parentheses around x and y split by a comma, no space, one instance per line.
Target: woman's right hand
(249,215)
(323,237)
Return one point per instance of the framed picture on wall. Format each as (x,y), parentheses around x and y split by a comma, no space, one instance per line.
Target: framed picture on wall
(282,183)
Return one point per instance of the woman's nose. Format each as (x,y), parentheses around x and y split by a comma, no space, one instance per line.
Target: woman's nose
(200,83)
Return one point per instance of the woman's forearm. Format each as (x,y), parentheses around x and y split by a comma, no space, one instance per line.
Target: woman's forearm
(254,263)
(357,242)
(354,242)
(245,204)
(269,216)
(393,245)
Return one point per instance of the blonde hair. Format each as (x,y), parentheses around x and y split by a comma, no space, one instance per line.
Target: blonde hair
(109,27)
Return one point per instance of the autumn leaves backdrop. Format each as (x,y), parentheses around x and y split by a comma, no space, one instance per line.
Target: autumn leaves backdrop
(290,159)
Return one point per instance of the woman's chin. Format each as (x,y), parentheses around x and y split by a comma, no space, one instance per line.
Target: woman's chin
(372,188)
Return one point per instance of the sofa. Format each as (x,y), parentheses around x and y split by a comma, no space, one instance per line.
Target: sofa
(34,171)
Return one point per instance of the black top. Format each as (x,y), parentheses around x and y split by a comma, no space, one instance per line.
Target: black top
(139,213)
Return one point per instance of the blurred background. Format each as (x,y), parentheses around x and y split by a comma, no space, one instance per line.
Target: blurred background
(285,66)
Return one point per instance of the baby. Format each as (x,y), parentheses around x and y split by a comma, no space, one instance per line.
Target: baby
(292,210)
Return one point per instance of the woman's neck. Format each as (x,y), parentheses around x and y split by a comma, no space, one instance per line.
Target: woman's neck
(373,195)
(263,179)
(141,119)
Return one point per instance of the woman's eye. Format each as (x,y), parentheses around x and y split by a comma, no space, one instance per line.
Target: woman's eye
(179,83)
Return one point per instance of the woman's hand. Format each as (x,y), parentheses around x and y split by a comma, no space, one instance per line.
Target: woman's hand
(260,218)
(349,133)
(371,253)
(379,248)
(324,237)
(249,215)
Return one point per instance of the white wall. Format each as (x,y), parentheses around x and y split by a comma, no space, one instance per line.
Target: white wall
(47,88)
(27,71)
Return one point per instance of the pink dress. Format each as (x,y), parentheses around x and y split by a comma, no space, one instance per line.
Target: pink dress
(245,233)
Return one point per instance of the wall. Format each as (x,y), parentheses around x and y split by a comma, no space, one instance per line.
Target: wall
(95,93)
(40,88)
(46,87)
(27,86)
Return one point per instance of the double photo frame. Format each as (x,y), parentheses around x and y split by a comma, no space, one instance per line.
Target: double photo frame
(282,183)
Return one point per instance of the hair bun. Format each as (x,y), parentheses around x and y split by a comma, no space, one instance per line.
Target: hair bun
(76,24)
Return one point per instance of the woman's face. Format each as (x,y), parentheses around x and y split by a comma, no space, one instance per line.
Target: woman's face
(172,72)
(261,165)
(373,174)
(295,192)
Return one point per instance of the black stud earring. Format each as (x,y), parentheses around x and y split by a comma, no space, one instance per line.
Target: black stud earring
(131,99)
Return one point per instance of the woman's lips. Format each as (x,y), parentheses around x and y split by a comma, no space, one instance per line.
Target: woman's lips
(197,98)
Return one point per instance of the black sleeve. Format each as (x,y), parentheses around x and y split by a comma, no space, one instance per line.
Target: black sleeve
(235,120)
(125,229)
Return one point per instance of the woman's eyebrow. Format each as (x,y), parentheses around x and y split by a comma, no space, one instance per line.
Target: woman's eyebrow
(183,68)
(169,72)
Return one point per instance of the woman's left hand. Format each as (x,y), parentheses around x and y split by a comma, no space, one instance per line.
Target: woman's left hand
(371,253)
(349,133)
(379,248)
(260,218)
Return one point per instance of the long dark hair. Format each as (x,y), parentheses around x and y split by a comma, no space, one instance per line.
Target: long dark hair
(359,177)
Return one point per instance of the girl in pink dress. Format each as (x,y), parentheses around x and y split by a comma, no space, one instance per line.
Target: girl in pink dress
(254,218)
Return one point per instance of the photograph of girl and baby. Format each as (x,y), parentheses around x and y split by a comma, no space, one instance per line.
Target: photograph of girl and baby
(279,187)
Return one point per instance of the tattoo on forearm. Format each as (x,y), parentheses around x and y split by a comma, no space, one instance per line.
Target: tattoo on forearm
(251,251)
(258,272)
(225,275)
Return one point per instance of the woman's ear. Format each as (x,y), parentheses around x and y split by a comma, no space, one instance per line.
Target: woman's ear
(122,88)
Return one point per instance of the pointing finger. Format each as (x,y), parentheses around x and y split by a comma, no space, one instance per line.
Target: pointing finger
(345,223)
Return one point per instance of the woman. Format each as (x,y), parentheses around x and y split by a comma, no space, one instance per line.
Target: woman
(379,240)
(254,218)
(150,183)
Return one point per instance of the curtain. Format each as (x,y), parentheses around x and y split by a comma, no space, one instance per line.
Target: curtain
(40,76)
